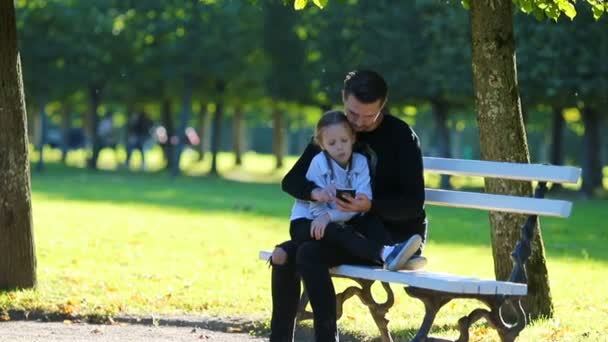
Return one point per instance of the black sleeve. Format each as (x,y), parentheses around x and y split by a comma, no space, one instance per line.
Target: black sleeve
(295,182)
(408,202)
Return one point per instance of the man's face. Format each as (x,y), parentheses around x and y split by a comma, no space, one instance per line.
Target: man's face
(364,117)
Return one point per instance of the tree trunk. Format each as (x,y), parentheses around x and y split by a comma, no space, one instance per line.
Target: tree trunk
(202,131)
(278,136)
(592,167)
(17,251)
(238,136)
(502,138)
(216,129)
(440,111)
(557,146)
(66,124)
(42,133)
(183,123)
(167,122)
(95,97)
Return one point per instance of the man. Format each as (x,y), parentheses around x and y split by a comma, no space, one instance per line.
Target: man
(398,202)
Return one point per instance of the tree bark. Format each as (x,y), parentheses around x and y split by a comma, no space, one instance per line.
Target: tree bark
(278,136)
(592,167)
(557,134)
(202,131)
(442,134)
(66,124)
(183,123)
(167,121)
(17,251)
(557,146)
(238,136)
(95,98)
(217,128)
(503,138)
(43,120)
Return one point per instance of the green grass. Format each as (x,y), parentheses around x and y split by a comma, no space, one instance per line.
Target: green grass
(112,242)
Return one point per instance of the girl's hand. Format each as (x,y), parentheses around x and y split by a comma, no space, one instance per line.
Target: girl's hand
(324,195)
(318,225)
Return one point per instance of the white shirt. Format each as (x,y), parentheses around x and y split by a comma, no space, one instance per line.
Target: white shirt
(320,173)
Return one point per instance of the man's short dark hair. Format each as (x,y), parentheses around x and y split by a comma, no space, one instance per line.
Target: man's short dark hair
(366,85)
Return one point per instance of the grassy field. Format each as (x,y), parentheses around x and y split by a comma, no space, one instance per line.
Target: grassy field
(112,242)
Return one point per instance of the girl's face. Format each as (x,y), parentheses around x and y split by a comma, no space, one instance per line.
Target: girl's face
(338,141)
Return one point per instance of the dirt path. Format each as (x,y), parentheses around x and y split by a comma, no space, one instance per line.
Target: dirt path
(32,331)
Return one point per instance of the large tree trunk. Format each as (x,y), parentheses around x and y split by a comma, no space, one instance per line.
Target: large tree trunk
(592,167)
(502,138)
(238,136)
(17,252)
(278,136)
(202,131)
(216,129)
(95,98)
(440,111)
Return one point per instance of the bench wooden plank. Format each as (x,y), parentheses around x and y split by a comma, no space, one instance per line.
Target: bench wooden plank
(493,169)
(428,280)
(483,201)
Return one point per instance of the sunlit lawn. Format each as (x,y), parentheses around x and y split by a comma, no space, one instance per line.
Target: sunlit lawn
(117,242)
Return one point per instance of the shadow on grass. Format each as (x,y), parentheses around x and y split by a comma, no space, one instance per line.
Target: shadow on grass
(580,236)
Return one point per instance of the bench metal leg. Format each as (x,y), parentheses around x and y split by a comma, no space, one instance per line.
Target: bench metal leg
(433,301)
(377,310)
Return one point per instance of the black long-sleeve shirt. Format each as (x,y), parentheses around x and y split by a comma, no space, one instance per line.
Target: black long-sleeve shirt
(398,183)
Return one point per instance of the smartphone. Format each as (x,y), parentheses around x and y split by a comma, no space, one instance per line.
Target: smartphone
(341,192)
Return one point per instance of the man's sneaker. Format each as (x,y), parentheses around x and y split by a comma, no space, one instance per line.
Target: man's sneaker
(415,263)
(402,253)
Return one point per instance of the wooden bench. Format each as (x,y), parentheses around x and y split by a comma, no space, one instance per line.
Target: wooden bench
(436,289)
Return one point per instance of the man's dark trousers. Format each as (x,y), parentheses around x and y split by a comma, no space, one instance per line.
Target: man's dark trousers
(311,260)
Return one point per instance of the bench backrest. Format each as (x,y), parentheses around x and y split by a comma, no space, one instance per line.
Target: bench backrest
(493,202)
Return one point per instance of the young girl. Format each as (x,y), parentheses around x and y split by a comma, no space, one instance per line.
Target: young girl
(337,167)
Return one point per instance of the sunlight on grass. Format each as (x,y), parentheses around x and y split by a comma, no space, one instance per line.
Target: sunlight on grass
(113,242)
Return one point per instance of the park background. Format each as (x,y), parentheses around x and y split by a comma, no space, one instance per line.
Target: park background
(182,235)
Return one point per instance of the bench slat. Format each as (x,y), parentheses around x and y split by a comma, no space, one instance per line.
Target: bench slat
(493,202)
(428,280)
(493,169)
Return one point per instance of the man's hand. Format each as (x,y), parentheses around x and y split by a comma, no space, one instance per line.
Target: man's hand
(318,225)
(323,195)
(360,204)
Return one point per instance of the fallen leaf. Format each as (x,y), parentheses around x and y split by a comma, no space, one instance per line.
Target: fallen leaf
(67,321)
(234,330)
(5,317)
(96,331)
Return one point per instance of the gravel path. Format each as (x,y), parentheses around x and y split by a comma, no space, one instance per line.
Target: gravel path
(32,331)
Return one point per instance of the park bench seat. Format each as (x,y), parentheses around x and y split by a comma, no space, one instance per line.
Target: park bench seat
(435,289)
(428,280)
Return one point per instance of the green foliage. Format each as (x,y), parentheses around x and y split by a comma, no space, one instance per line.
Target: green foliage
(539,8)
